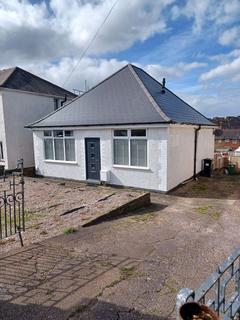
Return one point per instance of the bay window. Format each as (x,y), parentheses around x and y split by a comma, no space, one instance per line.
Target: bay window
(59,145)
(130,147)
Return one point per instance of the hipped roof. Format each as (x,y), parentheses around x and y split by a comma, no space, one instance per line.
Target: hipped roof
(129,96)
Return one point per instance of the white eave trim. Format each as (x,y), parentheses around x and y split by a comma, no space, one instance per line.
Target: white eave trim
(34,93)
(128,126)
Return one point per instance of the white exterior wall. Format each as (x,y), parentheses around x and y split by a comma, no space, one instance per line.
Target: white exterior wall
(2,130)
(20,109)
(154,177)
(181,152)
(205,147)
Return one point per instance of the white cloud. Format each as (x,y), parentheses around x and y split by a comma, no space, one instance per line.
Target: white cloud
(223,102)
(230,36)
(216,12)
(225,57)
(227,70)
(36,32)
(173,72)
(95,70)
(90,70)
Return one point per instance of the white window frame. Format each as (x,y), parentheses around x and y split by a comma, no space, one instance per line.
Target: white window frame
(128,137)
(63,138)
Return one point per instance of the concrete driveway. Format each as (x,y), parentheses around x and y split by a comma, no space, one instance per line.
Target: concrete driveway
(128,268)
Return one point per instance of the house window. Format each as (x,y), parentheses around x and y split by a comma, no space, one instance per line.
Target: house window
(130,147)
(59,145)
(1,151)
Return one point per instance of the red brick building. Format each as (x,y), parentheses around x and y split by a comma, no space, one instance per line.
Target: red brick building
(229,140)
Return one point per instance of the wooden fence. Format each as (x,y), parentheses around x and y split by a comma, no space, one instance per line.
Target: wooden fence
(221,162)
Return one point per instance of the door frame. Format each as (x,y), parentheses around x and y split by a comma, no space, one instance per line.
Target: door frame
(86,157)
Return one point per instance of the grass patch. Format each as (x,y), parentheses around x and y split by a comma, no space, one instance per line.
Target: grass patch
(69,230)
(215,215)
(49,292)
(171,286)
(208,210)
(105,264)
(200,187)
(144,217)
(81,308)
(203,209)
(127,271)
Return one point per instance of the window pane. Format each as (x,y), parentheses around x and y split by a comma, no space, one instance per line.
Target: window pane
(121,151)
(47,133)
(120,133)
(138,133)
(68,133)
(48,149)
(59,153)
(139,153)
(58,133)
(70,149)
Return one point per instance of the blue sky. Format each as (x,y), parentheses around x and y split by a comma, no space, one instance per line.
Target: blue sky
(193,44)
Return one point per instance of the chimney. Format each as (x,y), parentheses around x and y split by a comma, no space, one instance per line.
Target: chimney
(163,85)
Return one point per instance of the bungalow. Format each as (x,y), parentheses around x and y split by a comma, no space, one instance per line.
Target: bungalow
(24,98)
(128,130)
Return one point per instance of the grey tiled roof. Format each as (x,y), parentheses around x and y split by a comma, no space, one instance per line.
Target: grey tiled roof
(129,96)
(19,79)
(231,134)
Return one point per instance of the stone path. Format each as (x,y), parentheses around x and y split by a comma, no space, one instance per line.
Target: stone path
(48,282)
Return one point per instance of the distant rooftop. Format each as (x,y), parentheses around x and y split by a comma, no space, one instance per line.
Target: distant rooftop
(129,96)
(19,79)
(231,134)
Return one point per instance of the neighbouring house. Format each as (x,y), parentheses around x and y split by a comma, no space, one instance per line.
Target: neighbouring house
(227,140)
(24,98)
(128,130)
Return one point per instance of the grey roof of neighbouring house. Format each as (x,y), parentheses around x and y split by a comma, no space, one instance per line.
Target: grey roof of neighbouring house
(129,96)
(231,134)
(19,79)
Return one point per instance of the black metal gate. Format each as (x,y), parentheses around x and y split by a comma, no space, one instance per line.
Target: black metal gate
(12,216)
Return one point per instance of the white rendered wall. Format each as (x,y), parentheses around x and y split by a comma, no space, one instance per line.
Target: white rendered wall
(181,152)
(205,147)
(2,131)
(21,109)
(154,177)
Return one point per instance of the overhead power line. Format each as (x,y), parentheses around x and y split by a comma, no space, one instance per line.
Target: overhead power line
(90,42)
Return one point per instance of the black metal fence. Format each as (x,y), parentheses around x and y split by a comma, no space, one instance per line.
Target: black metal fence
(12,216)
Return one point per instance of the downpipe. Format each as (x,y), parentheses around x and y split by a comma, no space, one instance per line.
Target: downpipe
(195,152)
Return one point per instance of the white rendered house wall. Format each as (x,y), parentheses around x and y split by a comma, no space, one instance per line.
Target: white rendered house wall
(154,176)
(181,152)
(20,109)
(2,132)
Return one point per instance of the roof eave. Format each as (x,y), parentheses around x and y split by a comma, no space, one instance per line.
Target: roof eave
(30,126)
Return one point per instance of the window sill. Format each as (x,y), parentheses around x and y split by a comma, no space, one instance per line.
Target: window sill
(118,166)
(61,162)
